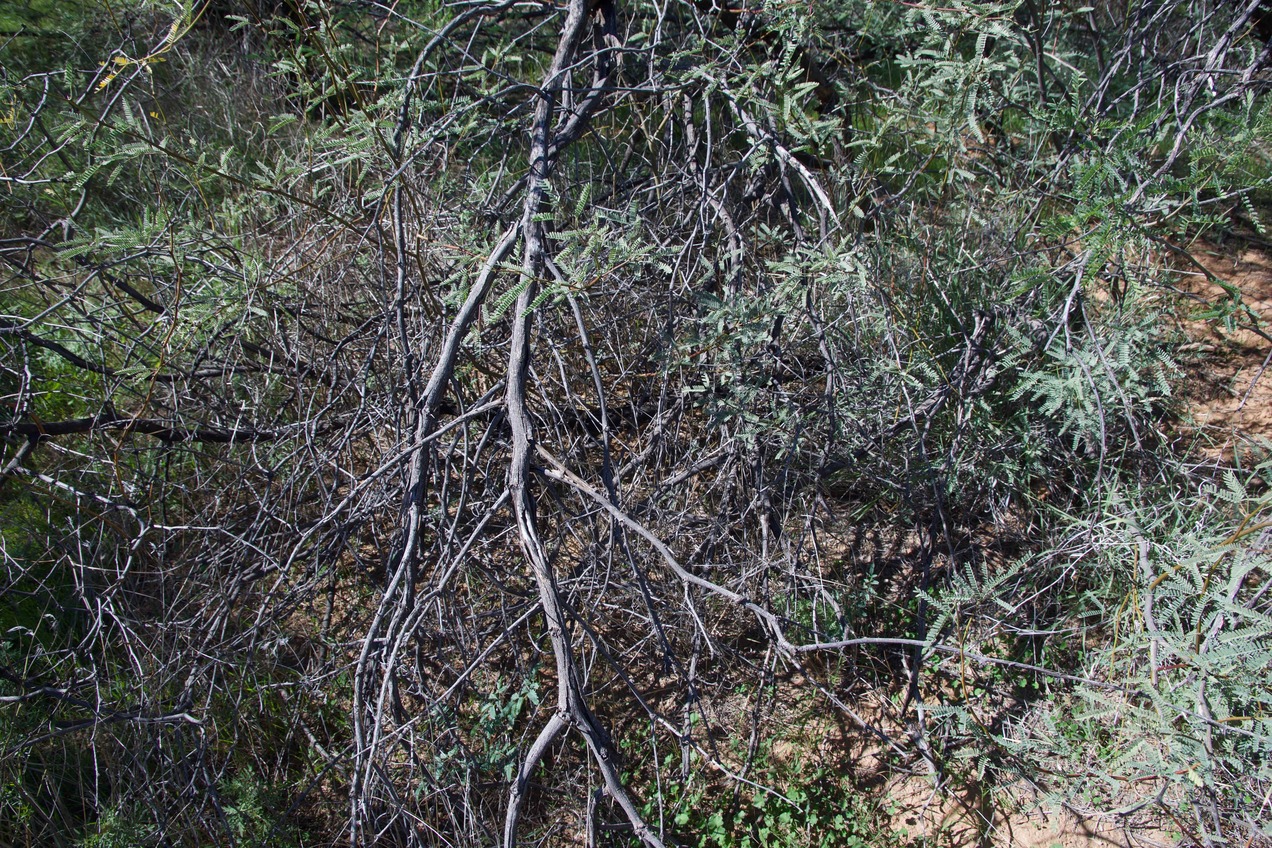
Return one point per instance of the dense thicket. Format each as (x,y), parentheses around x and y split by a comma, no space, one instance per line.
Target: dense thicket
(457,423)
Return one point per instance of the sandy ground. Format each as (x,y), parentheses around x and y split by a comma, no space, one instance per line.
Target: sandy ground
(1230,368)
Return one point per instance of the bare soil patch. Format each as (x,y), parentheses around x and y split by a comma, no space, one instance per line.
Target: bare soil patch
(1229,393)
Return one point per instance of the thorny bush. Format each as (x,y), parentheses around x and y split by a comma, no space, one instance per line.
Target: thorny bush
(419,418)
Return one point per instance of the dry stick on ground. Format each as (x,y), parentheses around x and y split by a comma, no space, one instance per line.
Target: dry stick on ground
(572,707)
